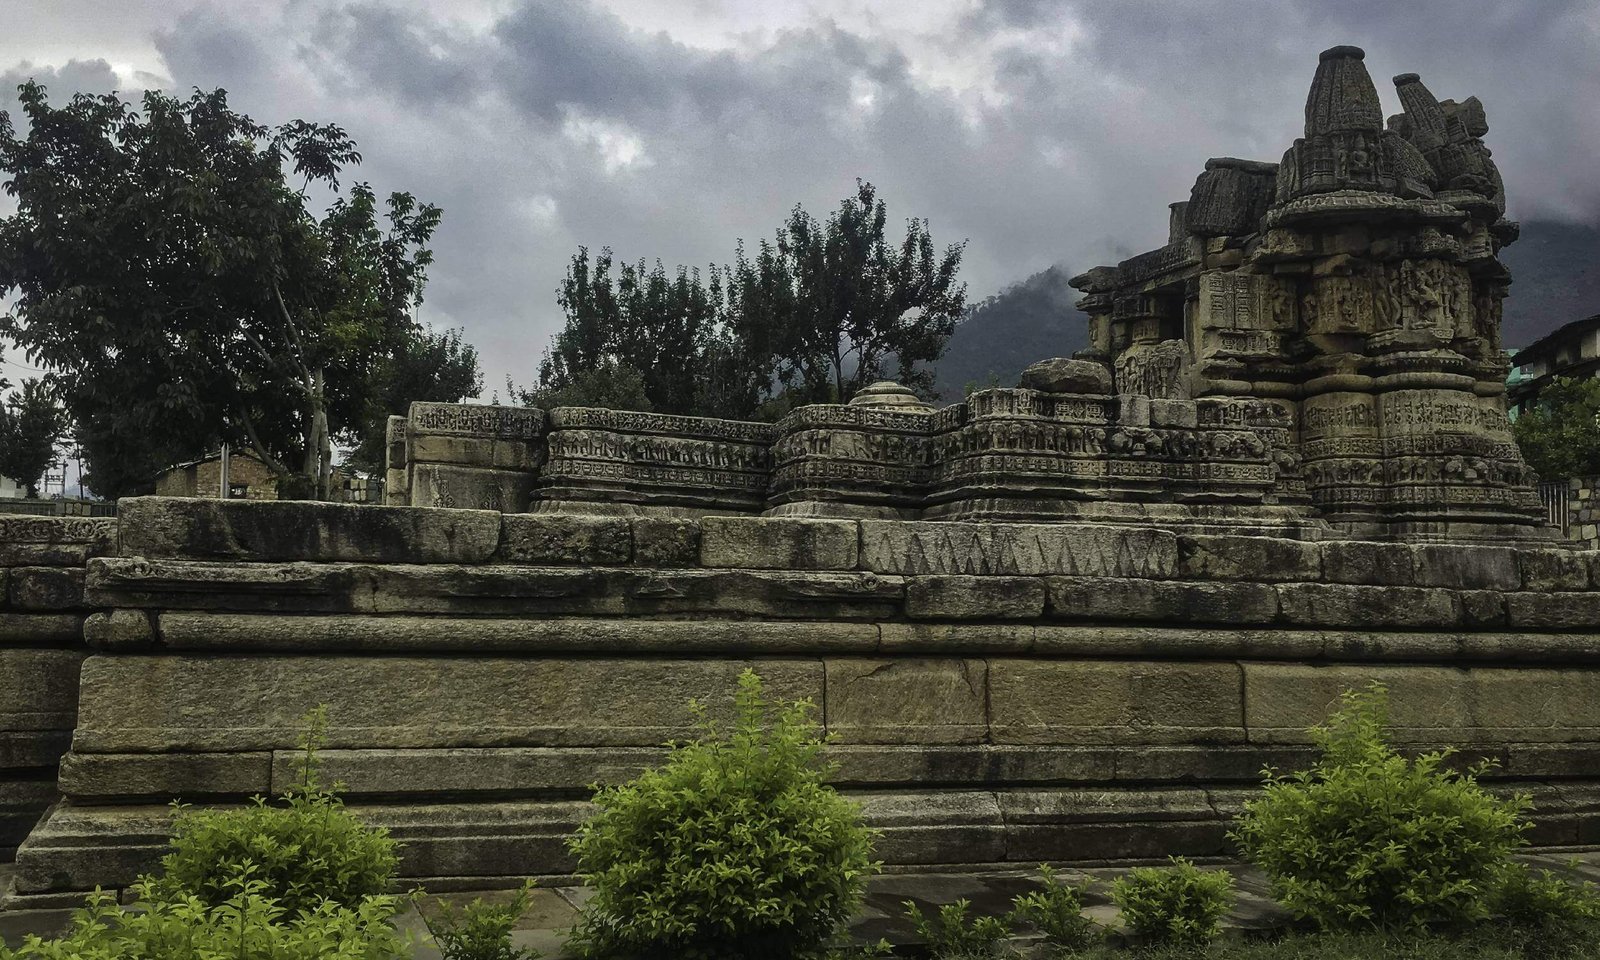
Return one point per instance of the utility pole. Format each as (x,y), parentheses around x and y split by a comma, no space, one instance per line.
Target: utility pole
(222,474)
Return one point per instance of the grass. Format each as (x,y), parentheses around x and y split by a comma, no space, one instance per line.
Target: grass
(1481,943)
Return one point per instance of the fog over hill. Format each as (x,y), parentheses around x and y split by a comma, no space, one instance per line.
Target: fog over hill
(1556,279)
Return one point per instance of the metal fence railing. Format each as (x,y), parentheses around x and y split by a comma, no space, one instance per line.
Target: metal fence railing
(1557,497)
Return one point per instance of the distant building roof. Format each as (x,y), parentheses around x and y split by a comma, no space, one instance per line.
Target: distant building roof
(1548,344)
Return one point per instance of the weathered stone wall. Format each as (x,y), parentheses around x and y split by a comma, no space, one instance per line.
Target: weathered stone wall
(1000,693)
(41,646)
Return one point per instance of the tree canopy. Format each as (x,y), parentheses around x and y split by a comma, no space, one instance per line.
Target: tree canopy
(810,316)
(31,424)
(1560,435)
(181,291)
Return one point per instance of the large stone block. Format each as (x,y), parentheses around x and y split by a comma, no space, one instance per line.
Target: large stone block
(1553,611)
(921,548)
(1548,571)
(209,704)
(470,772)
(926,828)
(38,689)
(39,629)
(120,629)
(954,638)
(97,534)
(666,541)
(1112,599)
(1366,562)
(245,632)
(1090,702)
(556,538)
(32,749)
(1429,704)
(45,588)
(78,846)
(22,802)
(162,527)
(450,486)
(1248,558)
(1466,567)
(490,590)
(909,701)
(120,777)
(1087,826)
(497,453)
(1342,605)
(766,543)
(956,597)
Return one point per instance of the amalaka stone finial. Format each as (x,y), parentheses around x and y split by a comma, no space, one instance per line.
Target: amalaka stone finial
(887,393)
(1343,97)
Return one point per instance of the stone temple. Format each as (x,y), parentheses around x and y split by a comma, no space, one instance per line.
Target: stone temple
(1068,621)
(1317,347)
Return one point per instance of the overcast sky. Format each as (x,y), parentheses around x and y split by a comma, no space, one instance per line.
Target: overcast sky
(1040,131)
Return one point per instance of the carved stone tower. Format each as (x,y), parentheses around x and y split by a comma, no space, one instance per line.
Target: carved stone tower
(1355,286)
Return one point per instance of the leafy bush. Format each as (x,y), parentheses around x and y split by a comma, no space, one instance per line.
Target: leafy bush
(480,931)
(734,848)
(1367,838)
(1180,905)
(1543,908)
(1056,911)
(950,935)
(246,925)
(306,850)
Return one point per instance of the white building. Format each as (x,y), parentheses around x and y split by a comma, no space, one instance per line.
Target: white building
(11,489)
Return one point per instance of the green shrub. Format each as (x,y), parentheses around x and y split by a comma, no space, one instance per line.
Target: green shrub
(246,925)
(1056,911)
(734,848)
(480,931)
(307,849)
(1543,909)
(1180,905)
(1368,838)
(951,936)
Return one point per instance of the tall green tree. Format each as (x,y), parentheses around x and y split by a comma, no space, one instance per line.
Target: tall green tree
(860,300)
(810,316)
(427,365)
(31,424)
(169,272)
(1560,435)
(640,323)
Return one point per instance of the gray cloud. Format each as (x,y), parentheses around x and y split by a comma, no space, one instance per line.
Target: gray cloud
(1043,131)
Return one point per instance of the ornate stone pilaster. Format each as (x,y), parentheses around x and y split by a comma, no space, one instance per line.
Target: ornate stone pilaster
(473,456)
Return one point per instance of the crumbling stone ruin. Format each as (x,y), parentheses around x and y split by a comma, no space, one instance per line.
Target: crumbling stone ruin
(1317,346)
(1066,621)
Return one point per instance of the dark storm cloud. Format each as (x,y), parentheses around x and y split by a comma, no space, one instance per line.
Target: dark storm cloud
(74,76)
(1041,131)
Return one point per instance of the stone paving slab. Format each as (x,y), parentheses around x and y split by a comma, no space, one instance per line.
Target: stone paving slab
(553,910)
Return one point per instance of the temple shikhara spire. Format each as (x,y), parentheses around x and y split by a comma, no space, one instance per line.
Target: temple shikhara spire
(1354,288)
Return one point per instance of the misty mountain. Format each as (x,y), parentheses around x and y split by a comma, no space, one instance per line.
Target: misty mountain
(1030,320)
(1555,268)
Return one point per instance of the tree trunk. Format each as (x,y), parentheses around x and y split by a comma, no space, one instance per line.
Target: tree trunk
(324,442)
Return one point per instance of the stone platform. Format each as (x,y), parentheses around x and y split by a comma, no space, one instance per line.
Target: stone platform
(1000,694)
(41,645)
